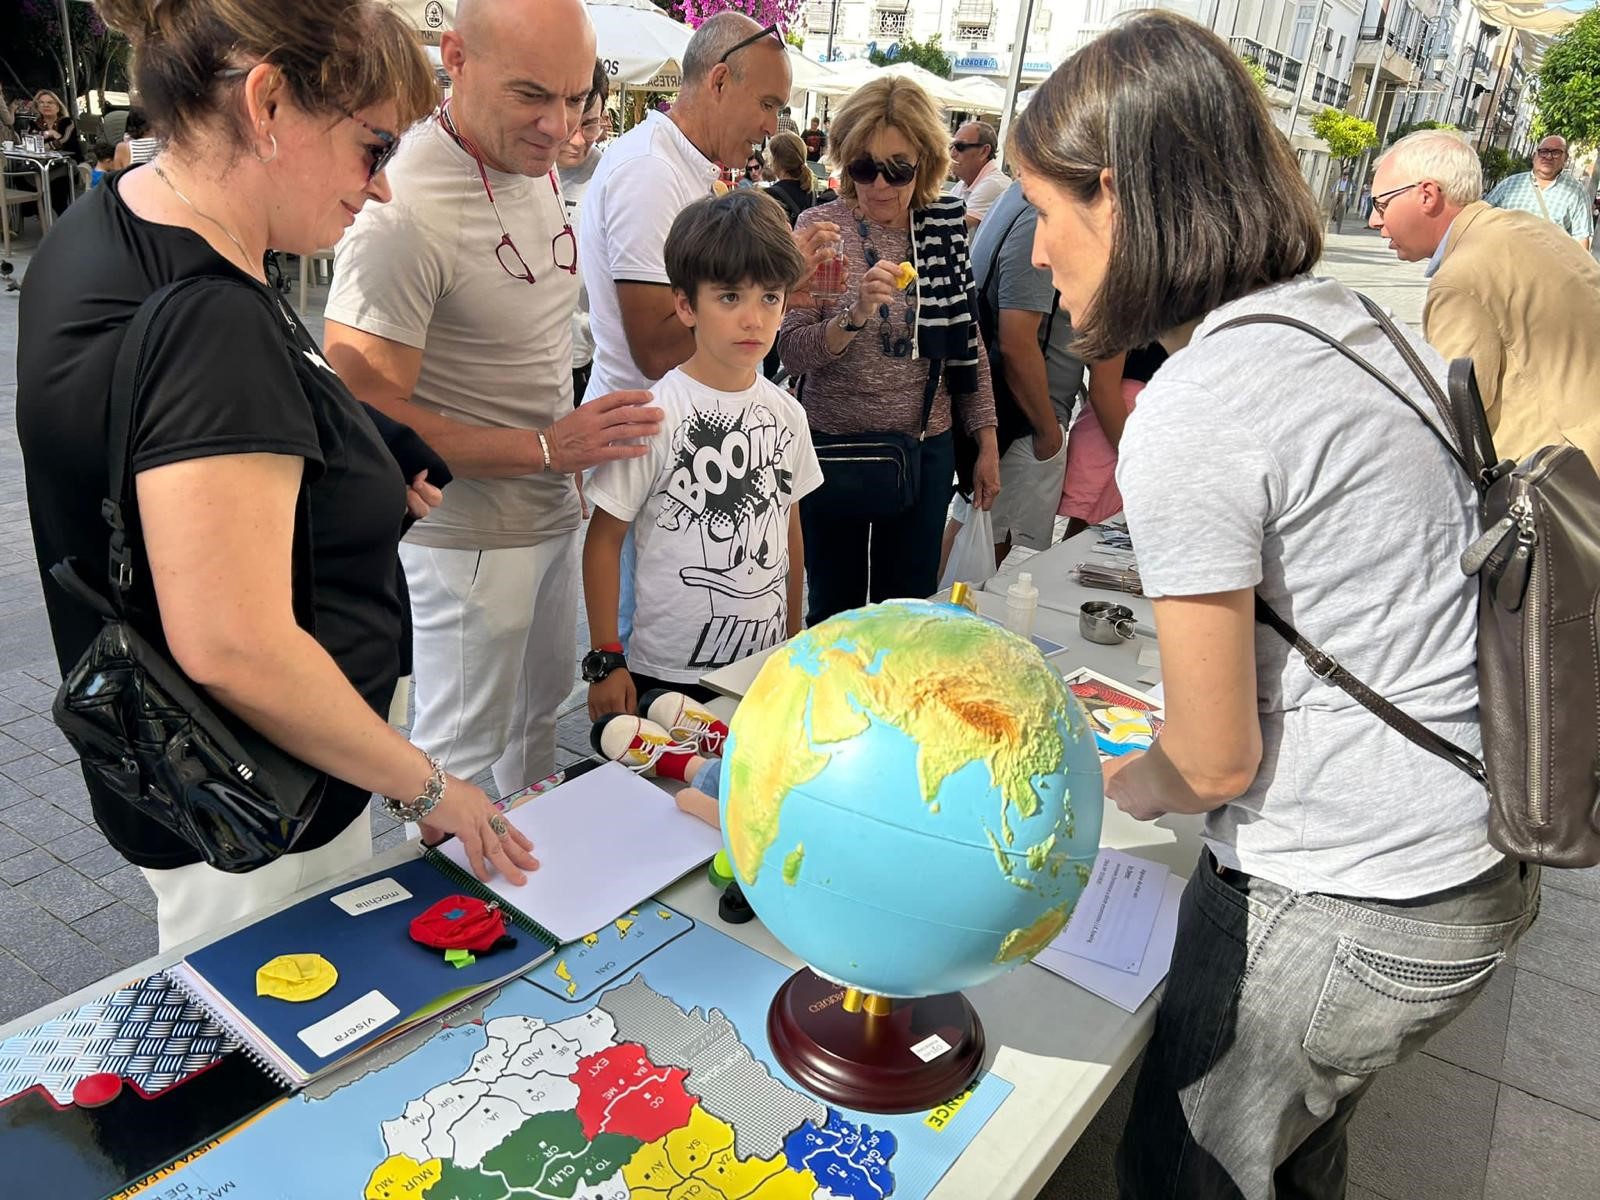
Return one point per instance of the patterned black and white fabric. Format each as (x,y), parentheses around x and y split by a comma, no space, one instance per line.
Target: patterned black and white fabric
(947,298)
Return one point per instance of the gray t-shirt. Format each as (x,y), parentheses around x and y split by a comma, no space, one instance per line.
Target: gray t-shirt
(1260,458)
(496,350)
(1021,286)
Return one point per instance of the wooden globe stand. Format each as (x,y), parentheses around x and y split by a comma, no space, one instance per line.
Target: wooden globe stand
(873,1053)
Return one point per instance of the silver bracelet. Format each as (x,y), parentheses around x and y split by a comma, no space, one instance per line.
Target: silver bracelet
(418,808)
(544,449)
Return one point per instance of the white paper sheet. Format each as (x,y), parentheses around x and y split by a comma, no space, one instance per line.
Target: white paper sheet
(1126,991)
(1117,911)
(605,841)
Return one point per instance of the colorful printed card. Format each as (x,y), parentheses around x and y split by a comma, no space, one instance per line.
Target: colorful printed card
(1123,718)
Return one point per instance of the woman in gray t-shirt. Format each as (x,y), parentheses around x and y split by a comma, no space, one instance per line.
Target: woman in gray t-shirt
(1348,904)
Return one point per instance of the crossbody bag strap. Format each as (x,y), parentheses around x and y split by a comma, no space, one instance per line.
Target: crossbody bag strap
(121,502)
(1326,668)
(122,400)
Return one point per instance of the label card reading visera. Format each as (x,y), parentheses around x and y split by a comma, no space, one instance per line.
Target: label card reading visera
(349,1025)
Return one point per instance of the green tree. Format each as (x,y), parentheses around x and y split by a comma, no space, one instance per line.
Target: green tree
(1497,163)
(929,55)
(1347,136)
(100,54)
(1257,72)
(1569,82)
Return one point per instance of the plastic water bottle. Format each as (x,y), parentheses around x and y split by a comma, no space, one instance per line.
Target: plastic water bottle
(1022,601)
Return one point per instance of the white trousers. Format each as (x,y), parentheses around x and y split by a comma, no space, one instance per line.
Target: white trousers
(493,646)
(198,899)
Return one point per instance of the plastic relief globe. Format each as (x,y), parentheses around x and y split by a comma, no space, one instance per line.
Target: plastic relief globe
(911,798)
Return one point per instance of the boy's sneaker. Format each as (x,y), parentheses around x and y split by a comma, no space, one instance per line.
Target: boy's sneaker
(685,720)
(639,744)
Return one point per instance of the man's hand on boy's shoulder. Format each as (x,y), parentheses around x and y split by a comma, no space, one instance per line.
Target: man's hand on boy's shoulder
(613,694)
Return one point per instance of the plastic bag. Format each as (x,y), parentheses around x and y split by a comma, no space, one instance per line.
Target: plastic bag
(972,555)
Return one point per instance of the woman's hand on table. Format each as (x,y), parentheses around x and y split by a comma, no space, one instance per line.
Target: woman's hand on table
(986,476)
(879,286)
(1109,772)
(492,843)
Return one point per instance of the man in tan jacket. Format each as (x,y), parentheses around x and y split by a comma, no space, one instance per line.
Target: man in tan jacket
(1508,290)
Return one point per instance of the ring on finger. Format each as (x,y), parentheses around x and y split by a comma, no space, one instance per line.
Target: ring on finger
(498,825)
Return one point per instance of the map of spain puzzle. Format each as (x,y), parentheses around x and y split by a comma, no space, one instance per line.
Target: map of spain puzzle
(633,1066)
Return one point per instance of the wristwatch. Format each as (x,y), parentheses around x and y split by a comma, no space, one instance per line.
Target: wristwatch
(418,808)
(600,662)
(844,323)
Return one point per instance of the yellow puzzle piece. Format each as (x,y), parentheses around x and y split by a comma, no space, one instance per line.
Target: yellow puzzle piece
(296,977)
(907,276)
(401,1175)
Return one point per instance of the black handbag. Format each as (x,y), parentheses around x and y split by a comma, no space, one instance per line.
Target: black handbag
(142,729)
(871,474)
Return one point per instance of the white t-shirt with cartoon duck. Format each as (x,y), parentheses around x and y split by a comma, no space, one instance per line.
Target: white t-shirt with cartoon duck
(709,505)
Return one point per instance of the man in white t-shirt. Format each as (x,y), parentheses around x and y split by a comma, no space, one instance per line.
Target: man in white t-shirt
(735,80)
(451,311)
(981,181)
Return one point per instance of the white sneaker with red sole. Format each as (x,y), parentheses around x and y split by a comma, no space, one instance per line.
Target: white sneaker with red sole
(636,742)
(685,720)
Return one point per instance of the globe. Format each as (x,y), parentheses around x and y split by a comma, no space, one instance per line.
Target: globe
(911,799)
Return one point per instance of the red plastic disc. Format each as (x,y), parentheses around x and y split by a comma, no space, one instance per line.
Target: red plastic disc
(97,1090)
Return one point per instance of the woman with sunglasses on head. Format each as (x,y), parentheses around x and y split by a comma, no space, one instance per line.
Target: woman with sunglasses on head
(247,452)
(888,358)
(1348,904)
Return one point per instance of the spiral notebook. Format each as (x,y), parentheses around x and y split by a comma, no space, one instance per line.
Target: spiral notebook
(606,841)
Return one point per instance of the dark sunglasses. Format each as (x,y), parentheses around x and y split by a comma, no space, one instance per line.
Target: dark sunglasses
(895,173)
(770,31)
(378,156)
(963,147)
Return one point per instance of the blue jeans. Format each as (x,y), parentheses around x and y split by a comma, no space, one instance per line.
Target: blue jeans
(851,561)
(1280,1008)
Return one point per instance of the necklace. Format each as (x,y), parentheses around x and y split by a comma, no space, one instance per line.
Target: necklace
(893,347)
(156,167)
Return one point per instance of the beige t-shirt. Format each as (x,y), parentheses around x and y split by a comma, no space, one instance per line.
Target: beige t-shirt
(422,271)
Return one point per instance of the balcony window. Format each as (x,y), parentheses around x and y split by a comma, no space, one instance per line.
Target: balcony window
(889,23)
(819,17)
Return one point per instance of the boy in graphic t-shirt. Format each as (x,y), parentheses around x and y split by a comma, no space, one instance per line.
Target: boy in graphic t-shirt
(712,507)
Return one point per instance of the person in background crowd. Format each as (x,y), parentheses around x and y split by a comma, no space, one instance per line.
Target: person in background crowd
(280,117)
(1547,191)
(52,123)
(137,144)
(872,362)
(753,172)
(718,580)
(104,163)
(451,310)
(796,188)
(1089,492)
(816,141)
(1038,382)
(1509,290)
(576,165)
(8,122)
(786,120)
(980,181)
(1348,904)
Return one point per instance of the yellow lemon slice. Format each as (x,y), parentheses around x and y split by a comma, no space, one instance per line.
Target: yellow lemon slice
(296,977)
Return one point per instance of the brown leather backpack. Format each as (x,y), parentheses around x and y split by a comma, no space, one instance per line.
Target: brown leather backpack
(1537,562)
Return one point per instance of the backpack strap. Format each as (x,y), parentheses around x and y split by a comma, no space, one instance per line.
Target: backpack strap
(1326,668)
(1323,665)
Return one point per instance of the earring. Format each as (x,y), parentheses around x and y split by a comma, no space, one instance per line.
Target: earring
(273,139)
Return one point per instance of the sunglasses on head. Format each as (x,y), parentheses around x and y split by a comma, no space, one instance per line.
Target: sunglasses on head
(895,172)
(769,31)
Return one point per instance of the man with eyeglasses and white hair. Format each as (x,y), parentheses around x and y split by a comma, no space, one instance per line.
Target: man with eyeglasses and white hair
(1548,191)
(1509,290)
(451,312)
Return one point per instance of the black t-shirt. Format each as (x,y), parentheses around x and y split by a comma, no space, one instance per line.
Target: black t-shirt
(816,142)
(228,371)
